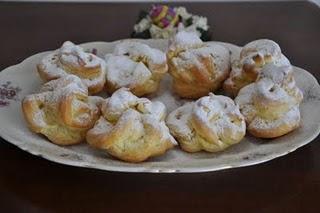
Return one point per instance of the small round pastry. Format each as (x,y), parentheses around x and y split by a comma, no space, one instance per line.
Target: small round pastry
(135,66)
(271,104)
(212,123)
(197,68)
(62,110)
(71,59)
(131,129)
(253,57)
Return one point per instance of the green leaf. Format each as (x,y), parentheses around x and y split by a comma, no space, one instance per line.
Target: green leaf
(188,22)
(145,34)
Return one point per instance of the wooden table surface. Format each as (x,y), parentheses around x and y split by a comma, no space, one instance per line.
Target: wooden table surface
(32,184)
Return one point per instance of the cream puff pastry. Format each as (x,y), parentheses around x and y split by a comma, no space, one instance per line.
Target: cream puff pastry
(197,68)
(72,59)
(212,123)
(271,104)
(136,66)
(131,129)
(62,110)
(253,57)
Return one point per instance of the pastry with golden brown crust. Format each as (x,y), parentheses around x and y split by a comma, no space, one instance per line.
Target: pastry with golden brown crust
(72,59)
(212,123)
(253,57)
(197,68)
(62,110)
(131,128)
(136,66)
(271,104)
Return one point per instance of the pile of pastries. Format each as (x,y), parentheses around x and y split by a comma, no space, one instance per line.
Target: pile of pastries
(262,97)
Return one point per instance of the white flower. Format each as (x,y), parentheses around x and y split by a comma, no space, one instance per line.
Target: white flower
(191,28)
(200,21)
(143,25)
(181,11)
(157,32)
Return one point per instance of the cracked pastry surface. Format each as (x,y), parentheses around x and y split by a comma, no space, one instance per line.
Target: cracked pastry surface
(197,68)
(62,110)
(212,123)
(271,104)
(131,129)
(72,59)
(253,57)
(136,66)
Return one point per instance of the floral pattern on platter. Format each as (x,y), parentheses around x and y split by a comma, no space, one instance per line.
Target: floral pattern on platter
(8,93)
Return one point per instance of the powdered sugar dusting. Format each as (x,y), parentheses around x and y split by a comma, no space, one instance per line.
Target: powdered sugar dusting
(38,118)
(120,101)
(191,57)
(123,99)
(185,39)
(134,49)
(154,108)
(63,82)
(261,46)
(51,65)
(267,89)
(218,113)
(60,92)
(125,72)
(102,126)
(73,55)
(221,57)
(276,74)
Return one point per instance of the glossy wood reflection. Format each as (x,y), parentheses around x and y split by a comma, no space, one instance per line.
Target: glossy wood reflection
(31,184)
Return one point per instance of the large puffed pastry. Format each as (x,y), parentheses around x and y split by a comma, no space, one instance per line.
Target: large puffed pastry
(253,57)
(271,104)
(72,59)
(136,66)
(212,123)
(62,110)
(131,128)
(197,68)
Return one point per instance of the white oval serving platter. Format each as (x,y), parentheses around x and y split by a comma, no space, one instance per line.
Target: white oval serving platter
(20,80)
